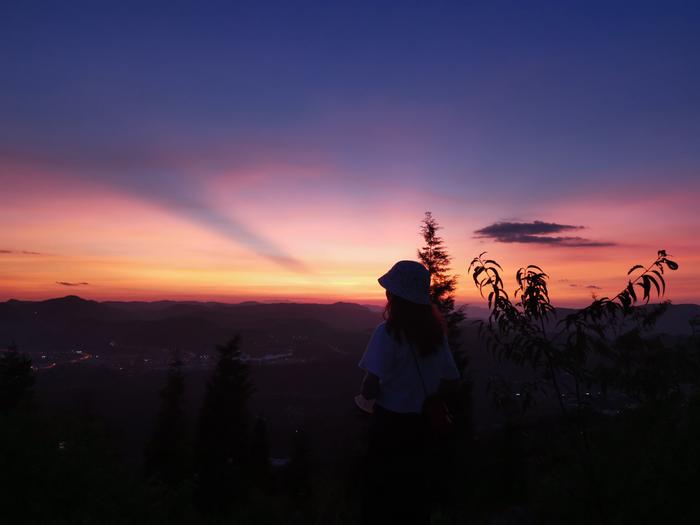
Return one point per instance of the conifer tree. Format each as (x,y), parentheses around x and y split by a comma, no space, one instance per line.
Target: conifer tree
(222,440)
(166,452)
(443,284)
(16,379)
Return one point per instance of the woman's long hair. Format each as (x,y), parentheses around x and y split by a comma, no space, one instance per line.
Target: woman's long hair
(419,324)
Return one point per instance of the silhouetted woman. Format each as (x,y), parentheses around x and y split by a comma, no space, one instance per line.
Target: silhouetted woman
(406,360)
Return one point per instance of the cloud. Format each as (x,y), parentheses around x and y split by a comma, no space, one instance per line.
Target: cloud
(537,232)
(66,283)
(590,286)
(19,252)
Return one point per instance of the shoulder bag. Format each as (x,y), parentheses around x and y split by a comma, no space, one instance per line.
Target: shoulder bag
(435,411)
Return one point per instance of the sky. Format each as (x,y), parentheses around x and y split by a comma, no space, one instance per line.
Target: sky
(269,151)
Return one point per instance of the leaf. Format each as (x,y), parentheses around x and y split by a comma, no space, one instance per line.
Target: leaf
(634,268)
(625,299)
(491,261)
(630,289)
(671,264)
(646,285)
(653,281)
(661,279)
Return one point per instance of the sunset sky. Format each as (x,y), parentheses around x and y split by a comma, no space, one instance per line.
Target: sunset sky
(288,150)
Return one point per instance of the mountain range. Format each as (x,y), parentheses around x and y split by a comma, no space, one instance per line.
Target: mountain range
(71,322)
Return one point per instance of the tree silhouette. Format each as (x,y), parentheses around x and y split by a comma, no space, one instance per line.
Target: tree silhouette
(443,284)
(16,379)
(166,453)
(222,439)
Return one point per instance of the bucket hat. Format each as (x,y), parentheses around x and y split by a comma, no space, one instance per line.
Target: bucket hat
(409,280)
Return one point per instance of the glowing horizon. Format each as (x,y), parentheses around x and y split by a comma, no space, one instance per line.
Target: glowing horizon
(126,249)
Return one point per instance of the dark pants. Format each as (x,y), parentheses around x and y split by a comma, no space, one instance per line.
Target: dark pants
(396,488)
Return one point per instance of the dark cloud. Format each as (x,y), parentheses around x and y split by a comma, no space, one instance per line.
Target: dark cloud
(591,286)
(21,252)
(505,229)
(537,232)
(66,283)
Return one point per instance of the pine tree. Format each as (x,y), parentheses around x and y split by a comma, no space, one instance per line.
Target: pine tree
(222,440)
(16,379)
(443,284)
(166,452)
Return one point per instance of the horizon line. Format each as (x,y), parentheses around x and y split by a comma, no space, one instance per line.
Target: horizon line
(283,301)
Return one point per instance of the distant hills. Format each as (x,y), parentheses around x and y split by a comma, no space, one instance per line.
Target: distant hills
(674,321)
(71,321)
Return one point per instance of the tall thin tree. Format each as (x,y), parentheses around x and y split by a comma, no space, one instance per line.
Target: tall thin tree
(222,440)
(443,283)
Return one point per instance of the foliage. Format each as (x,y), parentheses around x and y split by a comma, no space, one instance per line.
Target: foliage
(443,284)
(590,346)
(605,345)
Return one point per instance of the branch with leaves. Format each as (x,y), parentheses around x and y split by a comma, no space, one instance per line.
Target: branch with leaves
(522,333)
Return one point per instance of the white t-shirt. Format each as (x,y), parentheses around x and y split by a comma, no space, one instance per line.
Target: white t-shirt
(400,388)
